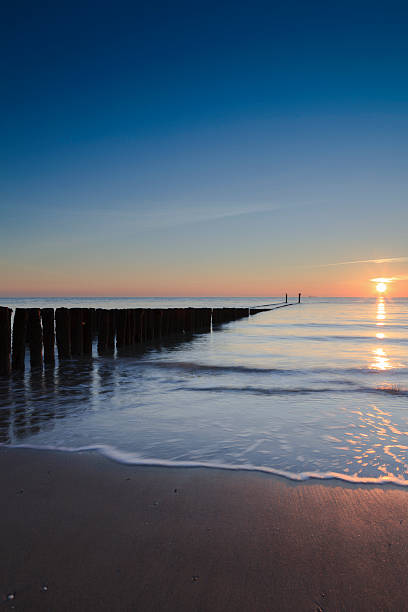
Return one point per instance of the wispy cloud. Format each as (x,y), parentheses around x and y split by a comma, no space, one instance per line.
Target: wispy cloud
(167,216)
(389,279)
(362,261)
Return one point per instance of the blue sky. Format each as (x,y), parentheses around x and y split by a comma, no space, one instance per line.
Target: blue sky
(203,148)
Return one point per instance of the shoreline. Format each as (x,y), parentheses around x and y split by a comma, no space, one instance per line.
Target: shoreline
(80,531)
(125,458)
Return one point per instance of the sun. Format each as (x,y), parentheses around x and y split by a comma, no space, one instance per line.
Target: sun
(381,283)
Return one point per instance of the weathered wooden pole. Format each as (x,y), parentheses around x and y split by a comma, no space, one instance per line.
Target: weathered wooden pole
(77,342)
(35,339)
(158,318)
(205,319)
(103,330)
(63,332)
(106,334)
(138,331)
(98,315)
(47,318)
(286,299)
(88,316)
(299,298)
(5,340)
(148,325)
(190,320)
(19,338)
(130,327)
(181,321)
(121,319)
(110,343)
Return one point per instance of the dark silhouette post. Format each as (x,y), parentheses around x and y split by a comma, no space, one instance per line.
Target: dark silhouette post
(35,337)
(286,298)
(77,341)
(47,319)
(121,320)
(19,338)
(63,332)
(88,315)
(299,298)
(107,332)
(5,340)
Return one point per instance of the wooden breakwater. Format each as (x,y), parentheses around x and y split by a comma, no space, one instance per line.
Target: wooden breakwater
(74,331)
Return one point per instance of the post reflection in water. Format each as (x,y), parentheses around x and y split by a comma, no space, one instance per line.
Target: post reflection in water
(31,401)
(5,401)
(35,399)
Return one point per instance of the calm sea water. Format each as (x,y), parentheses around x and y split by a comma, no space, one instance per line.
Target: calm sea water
(315,390)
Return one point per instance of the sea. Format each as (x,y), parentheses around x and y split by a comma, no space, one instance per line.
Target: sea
(315,390)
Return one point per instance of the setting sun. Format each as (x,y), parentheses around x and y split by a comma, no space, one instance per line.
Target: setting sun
(382,283)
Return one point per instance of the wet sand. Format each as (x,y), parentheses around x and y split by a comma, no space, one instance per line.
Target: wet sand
(80,532)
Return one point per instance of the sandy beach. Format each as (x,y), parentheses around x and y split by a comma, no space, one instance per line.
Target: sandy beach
(80,532)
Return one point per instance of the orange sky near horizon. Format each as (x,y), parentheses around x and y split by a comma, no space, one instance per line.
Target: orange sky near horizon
(348,280)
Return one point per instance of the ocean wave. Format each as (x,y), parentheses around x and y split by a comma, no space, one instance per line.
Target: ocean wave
(388,389)
(352,325)
(128,458)
(341,337)
(238,369)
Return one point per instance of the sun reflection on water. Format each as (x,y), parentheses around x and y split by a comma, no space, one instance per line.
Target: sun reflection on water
(376,441)
(381,360)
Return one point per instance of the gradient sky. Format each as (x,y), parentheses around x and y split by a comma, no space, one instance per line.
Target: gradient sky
(203,148)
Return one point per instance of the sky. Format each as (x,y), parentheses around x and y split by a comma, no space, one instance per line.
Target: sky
(203,148)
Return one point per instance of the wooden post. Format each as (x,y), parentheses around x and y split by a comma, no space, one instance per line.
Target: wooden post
(106,335)
(88,315)
(138,331)
(299,298)
(157,317)
(5,340)
(110,341)
(121,319)
(130,331)
(19,338)
(77,343)
(98,317)
(63,332)
(148,325)
(47,318)
(35,337)
(286,299)
(103,330)
(206,319)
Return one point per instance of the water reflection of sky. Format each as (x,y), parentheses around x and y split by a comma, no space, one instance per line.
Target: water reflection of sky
(319,388)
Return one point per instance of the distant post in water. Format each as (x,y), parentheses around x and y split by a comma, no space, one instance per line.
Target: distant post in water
(5,340)
(47,318)
(299,298)
(88,315)
(77,341)
(286,298)
(35,337)
(63,332)
(19,338)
